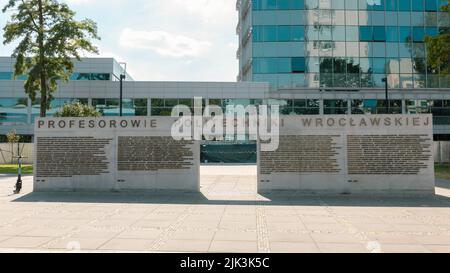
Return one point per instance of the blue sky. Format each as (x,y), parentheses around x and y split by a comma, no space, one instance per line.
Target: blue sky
(163,40)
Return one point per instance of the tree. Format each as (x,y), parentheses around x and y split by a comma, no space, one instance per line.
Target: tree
(49,37)
(77,110)
(13,138)
(438,49)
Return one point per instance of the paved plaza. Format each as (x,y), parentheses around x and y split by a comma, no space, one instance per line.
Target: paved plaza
(228,216)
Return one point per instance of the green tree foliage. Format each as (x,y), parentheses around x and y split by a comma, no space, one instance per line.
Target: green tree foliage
(13,137)
(438,49)
(48,37)
(77,110)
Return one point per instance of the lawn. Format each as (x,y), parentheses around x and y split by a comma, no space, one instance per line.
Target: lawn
(12,169)
(443,171)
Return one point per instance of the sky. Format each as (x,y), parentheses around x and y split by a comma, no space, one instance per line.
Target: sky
(162,40)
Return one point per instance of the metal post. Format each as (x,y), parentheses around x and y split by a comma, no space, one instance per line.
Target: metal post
(121,94)
(19,177)
(385,80)
(122,77)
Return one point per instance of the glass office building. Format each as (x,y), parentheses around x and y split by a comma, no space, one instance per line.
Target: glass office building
(340,44)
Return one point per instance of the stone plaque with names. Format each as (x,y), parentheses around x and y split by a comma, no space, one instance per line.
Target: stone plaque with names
(113,154)
(367,154)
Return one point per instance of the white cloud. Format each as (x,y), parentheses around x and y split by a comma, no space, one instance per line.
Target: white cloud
(163,43)
(170,40)
(215,11)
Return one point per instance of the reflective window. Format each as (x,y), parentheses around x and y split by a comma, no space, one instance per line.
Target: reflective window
(391,34)
(431,5)
(90,77)
(57,104)
(326,65)
(405,34)
(80,77)
(350,43)
(417,5)
(404,5)
(417,18)
(278,33)
(418,34)
(298,33)
(379,65)
(130,107)
(352,33)
(163,107)
(360,107)
(392,5)
(100,77)
(6,75)
(298,65)
(278,4)
(351,4)
(335,107)
(431,31)
(379,34)
(13,111)
(278,65)
(365,33)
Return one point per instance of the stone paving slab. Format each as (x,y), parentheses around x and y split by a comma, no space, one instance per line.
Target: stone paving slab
(227,216)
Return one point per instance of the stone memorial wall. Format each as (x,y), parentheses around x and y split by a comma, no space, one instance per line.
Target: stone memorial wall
(113,154)
(351,155)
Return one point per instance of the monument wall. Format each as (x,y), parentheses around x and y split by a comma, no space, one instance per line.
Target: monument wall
(113,154)
(351,155)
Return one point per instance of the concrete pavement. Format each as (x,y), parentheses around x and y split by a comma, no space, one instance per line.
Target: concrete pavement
(228,216)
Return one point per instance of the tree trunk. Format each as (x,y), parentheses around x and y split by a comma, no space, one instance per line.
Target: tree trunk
(41,61)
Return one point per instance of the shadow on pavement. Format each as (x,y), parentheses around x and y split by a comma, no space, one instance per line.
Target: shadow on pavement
(263,200)
(444,184)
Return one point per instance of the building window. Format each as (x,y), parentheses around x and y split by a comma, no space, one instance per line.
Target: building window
(360,107)
(417,5)
(335,107)
(57,104)
(13,111)
(90,77)
(130,107)
(298,65)
(6,76)
(278,33)
(163,107)
(278,4)
(431,5)
(278,65)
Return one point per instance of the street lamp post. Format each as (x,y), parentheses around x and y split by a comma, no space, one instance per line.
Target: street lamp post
(122,78)
(385,80)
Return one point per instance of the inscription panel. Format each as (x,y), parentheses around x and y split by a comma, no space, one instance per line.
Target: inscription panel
(71,156)
(388,154)
(149,153)
(302,154)
(351,154)
(113,154)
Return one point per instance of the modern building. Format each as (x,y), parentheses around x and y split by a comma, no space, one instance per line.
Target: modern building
(94,83)
(310,57)
(333,56)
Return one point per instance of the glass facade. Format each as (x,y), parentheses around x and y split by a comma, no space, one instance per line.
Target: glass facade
(130,107)
(8,76)
(55,106)
(163,107)
(90,77)
(342,43)
(13,111)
